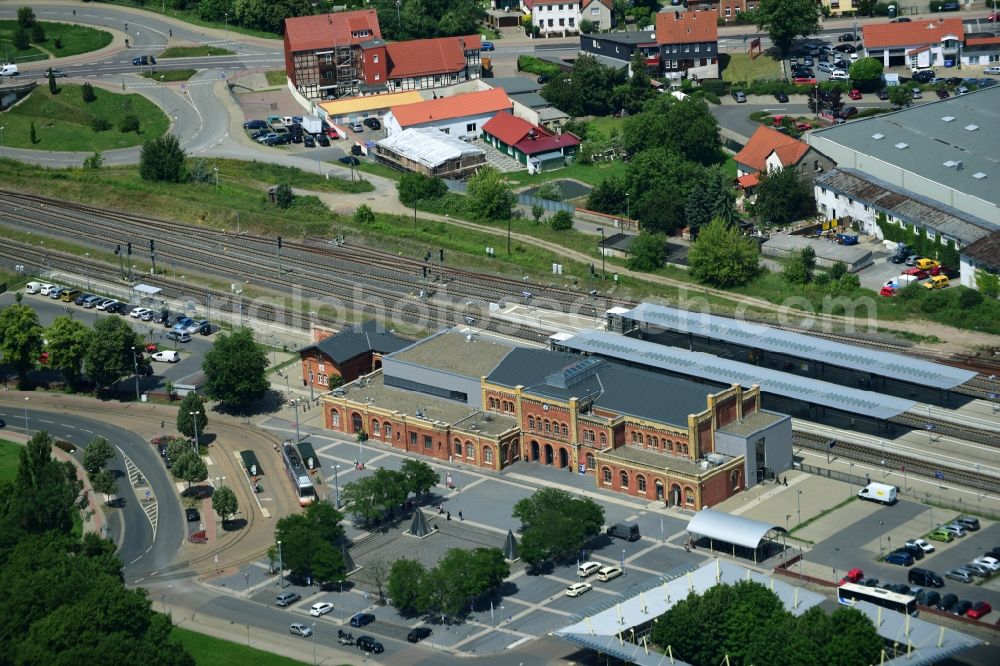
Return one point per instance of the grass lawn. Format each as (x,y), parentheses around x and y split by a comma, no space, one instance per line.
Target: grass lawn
(75,39)
(592,174)
(210,651)
(378,169)
(62,121)
(194,51)
(276,77)
(9,455)
(170,74)
(604,124)
(741,67)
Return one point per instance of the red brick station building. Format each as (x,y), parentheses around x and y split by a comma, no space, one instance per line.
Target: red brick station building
(490,404)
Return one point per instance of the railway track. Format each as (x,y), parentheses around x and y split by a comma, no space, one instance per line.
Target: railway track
(951,428)
(896,461)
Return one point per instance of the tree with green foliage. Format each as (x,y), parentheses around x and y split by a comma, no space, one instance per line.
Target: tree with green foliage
(800,266)
(97,454)
(608,196)
(20,338)
(536,213)
(25,17)
(224,503)
(190,467)
(784,20)
(283,196)
(783,196)
(988,283)
(236,369)
(659,183)
(722,257)
(94,162)
(309,543)
(22,39)
(549,191)
(406,584)
(556,524)
(900,96)
(867,72)
(684,127)
(129,123)
(105,482)
(33,134)
(38,33)
(420,477)
(416,187)
(561,220)
(114,351)
(587,90)
(373,497)
(490,197)
(647,252)
(192,416)
(363,215)
(633,94)
(67,341)
(162,159)
(45,493)
(87,91)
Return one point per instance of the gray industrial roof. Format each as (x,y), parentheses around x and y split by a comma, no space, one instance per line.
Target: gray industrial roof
(910,207)
(632,37)
(359,339)
(727,372)
(514,85)
(922,139)
(800,345)
(619,388)
(532,100)
(452,352)
(726,527)
(920,642)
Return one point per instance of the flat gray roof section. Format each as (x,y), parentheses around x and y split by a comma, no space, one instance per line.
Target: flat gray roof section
(726,527)
(455,353)
(726,373)
(919,641)
(821,350)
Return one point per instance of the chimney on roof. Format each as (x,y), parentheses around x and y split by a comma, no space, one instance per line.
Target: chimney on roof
(329,19)
(677,16)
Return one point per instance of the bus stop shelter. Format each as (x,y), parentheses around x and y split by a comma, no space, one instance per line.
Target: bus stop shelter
(735,535)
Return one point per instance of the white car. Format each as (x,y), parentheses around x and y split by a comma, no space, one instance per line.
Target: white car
(169,356)
(138,312)
(576,589)
(991,563)
(46,288)
(609,572)
(103,305)
(322,608)
(588,569)
(992,70)
(921,544)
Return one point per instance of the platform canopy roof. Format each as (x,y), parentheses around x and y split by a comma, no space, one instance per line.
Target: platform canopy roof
(802,345)
(722,526)
(727,372)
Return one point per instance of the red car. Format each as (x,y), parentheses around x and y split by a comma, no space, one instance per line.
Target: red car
(803,127)
(918,273)
(887,291)
(854,94)
(979,609)
(803,80)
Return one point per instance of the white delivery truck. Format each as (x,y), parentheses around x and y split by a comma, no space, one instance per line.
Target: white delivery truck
(879,492)
(312,124)
(8,70)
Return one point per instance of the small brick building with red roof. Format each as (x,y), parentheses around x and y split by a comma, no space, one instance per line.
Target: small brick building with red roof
(920,43)
(689,44)
(535,147)
(770,150)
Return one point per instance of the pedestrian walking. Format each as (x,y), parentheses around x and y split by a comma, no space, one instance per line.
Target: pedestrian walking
(460,516)
(448,515)
(784,481)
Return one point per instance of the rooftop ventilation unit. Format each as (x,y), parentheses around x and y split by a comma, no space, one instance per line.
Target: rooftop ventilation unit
(948,119)
(972,128)
(979,175)
(878,136)
(950,163)
(902,145)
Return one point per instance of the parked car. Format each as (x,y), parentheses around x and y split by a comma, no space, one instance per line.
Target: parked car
(956,530)
(369,644)
(588,569)
(825,67)
(977,569)
(914,551)
(320,608)
(961,608)
(254,125)
(264,136)
(848,37)
(902,559)
(928,598)
(576,589)
(80,298)
(278,139)
(921,544)
(848,112)
(839,75)
(543,79)
(137,312)
(56,73)
(608,573)
(854,94)
(357,127)
(166,356)
(917,93)
(418,634)
(300,629)
(487,46)
(923,75)
(192,515)
(350,160)
(845,48)
(961,90)
(979,610)
(372,123)
(361,619)
(179,336)
(323,140)
(947,601)
(104,303)
(970,523)
(901,19)
(989,562)
(739,96)
(942,93)
(961,575)
(941,535)
(144,60)
(287,598)
(781,97)
(308,141)
(994,70)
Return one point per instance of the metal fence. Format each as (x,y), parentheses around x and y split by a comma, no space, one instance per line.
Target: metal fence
(547,204)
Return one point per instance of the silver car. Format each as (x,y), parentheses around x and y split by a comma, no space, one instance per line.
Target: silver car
(961,575)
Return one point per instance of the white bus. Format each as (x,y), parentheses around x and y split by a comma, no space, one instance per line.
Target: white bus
(848,593)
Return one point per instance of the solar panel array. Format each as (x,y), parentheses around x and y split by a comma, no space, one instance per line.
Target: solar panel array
(724,371)
(820,350)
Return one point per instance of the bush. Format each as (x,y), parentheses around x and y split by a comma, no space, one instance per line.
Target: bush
(527,63)
(129,124)
(969,298)
(21,40)
(712,98)
(561,221)
(283,196)
(715,86)
(57,43)
(100,124)
(95,161)
(87,91)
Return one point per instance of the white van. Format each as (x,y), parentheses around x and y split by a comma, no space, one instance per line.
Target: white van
(8,70)
(33,287)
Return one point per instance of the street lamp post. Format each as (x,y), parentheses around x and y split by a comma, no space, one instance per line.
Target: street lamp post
(880,525)
(281,568)
(216,170)
(628,211)
(26,415)
(1,140)
(336,486)
(227,27)
(163,93)
(295,404)
(314,642)
(197,445)
(798,505)
(87,255)
(135,367)
(601,229)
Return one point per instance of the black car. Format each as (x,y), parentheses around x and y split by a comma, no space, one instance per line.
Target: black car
(278,139)
(870,582)
(192,515)
(323,140)
(961,608)
(372,123)
(901,19)
(369,644)
(845,48)
(3,424)
(928,598)
(947,601)
(848,37)
(254,125)
(308,141)
(849,112)
(56,73)
(883,94)
(144,60)
(296,138)
(418,634)
(361,619)
(264,131)
(543,78)
(923,76)
(942,94)
(356,150)
(81,298)
(349,160)
(954,80)
(781,97)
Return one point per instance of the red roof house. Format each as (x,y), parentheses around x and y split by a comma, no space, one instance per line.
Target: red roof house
(533,146)
(459,115)
(919,43)
(769,150)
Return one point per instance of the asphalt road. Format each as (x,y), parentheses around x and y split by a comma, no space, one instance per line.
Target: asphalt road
(141,548)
